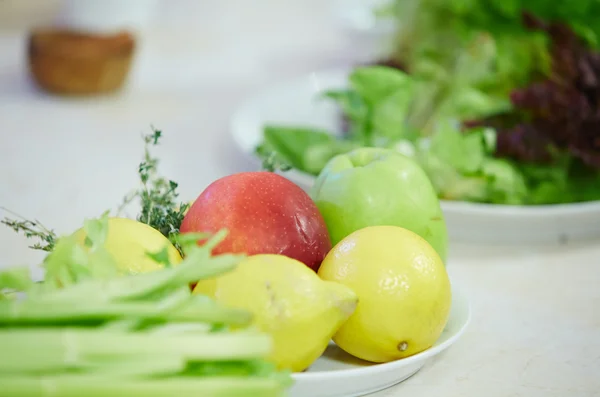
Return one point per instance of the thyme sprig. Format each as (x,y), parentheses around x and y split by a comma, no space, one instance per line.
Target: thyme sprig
(271,160)
(32,230)
(158,196)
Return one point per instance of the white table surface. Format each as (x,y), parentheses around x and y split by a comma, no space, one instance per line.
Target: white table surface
(536,318)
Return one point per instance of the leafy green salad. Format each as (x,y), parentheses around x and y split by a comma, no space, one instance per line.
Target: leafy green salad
(499,102)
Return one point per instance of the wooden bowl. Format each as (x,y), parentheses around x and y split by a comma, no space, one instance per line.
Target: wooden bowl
(70,62)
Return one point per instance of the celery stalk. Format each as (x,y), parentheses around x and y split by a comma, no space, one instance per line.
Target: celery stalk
(77,386)
(87,331)
(50,349)
(187,308)
(195,267)
(139,367)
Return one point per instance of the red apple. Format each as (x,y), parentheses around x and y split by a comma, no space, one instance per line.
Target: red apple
(265,214)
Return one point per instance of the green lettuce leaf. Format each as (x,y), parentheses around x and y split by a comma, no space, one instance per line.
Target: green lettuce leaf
(375,83)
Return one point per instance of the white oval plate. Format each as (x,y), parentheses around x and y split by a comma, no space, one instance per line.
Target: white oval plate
(297,103)
(337,374)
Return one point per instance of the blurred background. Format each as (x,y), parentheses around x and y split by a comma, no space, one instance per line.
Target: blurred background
(68,157)
(186,44)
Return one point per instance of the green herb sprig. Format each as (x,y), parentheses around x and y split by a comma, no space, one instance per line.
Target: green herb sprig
(271,160)
(32,230)
(158,196)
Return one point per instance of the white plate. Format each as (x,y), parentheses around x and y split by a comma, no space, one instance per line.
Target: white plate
(337,374)
(297,103)
(372,37)
(359,16)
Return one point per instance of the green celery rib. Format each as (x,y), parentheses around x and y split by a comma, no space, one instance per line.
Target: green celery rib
(197,266)
(141,366)
(201,308)
(36,311)
(16,278)
(188,309)
(77,386)
(55,362)
(125,325)
(49,349)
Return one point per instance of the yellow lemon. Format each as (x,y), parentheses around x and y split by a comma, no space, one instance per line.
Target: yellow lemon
(129,242)
(403,289)
(289,301)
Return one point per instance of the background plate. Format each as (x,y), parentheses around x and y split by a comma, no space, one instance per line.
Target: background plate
(337,374)
(297,102)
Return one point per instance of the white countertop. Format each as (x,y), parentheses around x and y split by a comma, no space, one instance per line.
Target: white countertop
(536,316)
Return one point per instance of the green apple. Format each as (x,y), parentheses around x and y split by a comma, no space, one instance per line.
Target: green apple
(372,187)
